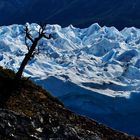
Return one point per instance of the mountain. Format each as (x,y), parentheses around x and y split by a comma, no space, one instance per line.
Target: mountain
(80,13)
(29,112)
(95,71)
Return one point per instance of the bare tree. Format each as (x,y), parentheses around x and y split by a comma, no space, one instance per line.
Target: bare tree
(31,48)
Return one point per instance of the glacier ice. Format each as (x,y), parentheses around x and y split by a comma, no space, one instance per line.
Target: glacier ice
(95,71)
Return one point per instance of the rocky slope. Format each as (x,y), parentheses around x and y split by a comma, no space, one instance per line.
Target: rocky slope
(29,112)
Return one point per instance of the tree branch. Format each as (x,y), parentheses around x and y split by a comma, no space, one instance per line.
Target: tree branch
(28,35)
(47,37)
(27,45)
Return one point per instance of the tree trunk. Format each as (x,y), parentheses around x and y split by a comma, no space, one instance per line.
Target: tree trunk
(26,59)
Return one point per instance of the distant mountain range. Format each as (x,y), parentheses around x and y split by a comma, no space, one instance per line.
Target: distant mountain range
(80,13)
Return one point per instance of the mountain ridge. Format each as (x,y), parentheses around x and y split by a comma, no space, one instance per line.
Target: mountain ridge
(30,112)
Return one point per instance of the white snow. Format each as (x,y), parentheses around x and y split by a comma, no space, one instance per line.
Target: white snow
(95,71)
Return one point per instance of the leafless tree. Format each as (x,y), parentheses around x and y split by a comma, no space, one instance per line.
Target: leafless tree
(31,48)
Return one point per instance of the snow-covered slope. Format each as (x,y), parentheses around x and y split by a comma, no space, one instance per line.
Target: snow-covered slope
(94,71)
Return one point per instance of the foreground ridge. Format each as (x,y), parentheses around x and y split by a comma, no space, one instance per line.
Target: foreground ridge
(30,112)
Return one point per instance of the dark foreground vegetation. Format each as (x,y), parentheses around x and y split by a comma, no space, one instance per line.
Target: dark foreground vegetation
(29,112)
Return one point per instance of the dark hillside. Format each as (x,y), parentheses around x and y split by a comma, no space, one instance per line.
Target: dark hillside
(29,112)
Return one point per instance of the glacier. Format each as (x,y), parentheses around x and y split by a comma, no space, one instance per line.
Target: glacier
(95,71)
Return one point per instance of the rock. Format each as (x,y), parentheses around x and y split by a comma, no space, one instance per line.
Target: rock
(16,126)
